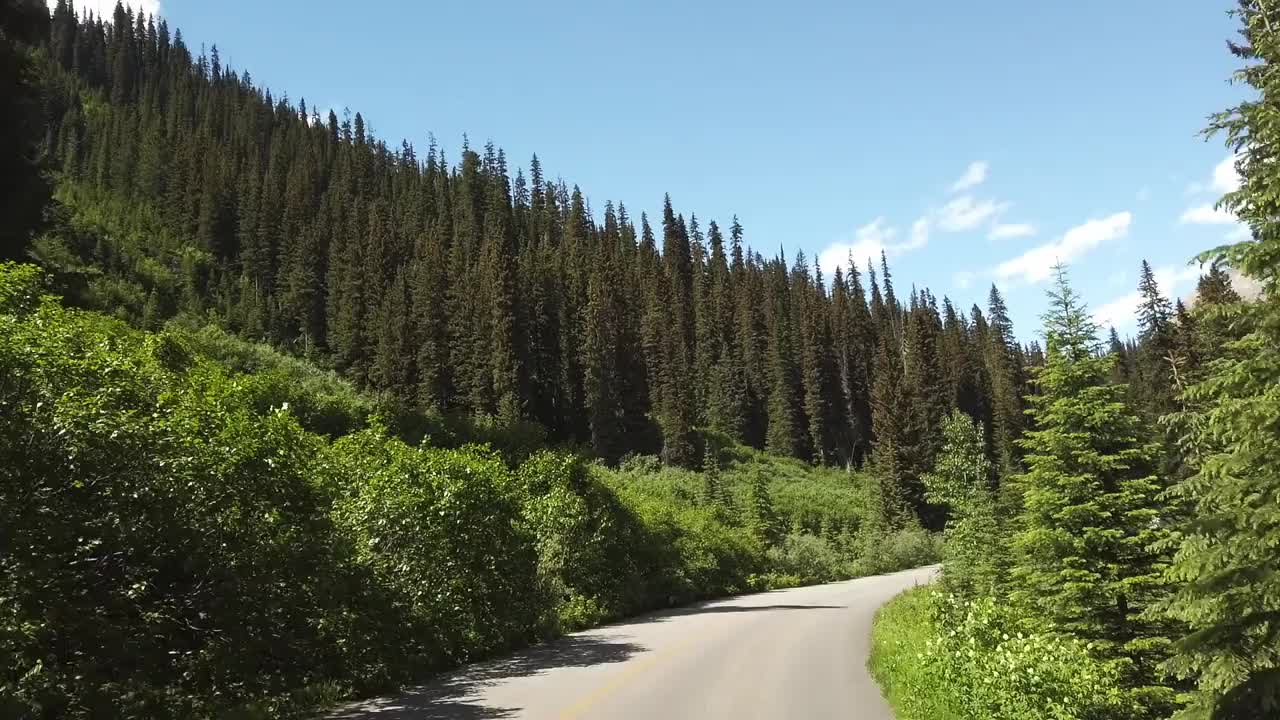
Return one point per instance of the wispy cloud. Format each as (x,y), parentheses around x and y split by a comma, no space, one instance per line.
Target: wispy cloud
(966,213)
(973,176)
(869,241)
(1206,215)
(1005,231)
(1036,264)
(1223,179)
(1121,313)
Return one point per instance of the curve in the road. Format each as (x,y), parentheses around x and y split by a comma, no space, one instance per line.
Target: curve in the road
(789,654)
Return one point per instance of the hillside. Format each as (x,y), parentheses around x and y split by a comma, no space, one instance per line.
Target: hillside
(199,526)
(291,414)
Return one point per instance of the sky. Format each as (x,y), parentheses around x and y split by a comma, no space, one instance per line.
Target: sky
(973,142)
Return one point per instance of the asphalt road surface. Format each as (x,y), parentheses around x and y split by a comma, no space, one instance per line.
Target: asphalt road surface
(788,655)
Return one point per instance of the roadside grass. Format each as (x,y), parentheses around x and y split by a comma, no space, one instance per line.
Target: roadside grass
(900,638)
(940,658)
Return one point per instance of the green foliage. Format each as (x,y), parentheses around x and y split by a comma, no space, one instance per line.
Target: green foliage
(1226,568)
(974,550)
(178,544)
(169,551)
(1085,561)
(438,528)
(939,658)
(21,287)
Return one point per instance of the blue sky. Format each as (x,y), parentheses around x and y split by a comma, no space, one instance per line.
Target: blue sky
(975,142)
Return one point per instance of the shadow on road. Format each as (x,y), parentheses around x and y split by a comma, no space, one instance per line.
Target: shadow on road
(456,696)
(709,609)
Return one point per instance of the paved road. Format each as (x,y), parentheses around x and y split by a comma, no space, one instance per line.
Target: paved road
(787,655)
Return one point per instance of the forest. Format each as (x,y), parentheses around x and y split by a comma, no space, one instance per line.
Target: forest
(292,415)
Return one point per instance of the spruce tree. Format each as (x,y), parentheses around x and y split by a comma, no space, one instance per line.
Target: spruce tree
(1084,553)
(1227,570)
(1153,390)
(1004,368)
(974,556)
(762,518)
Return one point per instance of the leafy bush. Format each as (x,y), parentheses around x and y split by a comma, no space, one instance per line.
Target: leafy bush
(184,537)
(438,529)
(167,551)
(20,288)
(802,559)
(889,551)
(322,401)
(938,658)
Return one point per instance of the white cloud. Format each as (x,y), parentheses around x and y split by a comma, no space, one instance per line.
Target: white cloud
(1036,264)
(1206,215)
(106,8)
(1225,177)
(963,279)
(1122,312)
(869,241)
(1004,231)
(965,213)
(919,235)
(973,176)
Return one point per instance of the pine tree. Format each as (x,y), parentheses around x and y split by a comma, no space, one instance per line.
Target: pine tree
(762,519)
(1153,389)
(924,405)
(1084,558)
(819,374)
(853,346)
(23,190)
(1120,371)
(973,551)
(888,495)
(676,382)
(1004,368)
(602,381)
(1226,569)
(785,414)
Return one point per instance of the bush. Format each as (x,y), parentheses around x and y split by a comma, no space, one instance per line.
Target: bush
(909,547)
(184,537)
(938,658)
(803,559)
(438,529)
(167,553)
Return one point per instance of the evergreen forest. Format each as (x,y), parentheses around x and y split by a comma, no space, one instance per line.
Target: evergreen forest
(290,415)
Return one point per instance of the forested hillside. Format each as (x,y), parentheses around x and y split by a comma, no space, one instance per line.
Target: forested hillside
(453,285)
(291,415)
(310,456)
(1137,576)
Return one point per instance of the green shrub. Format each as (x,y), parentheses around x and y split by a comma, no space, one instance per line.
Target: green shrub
(197,526)
(20,288)
(803,559)
(938,658)
(438,529)
(167,550)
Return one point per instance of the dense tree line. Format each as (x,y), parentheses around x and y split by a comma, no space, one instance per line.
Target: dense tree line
(195,526)
(24,188)
(458,288)
(1114,500)
(1150,556)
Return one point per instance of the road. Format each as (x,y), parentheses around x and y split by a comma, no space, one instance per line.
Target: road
(788,655)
